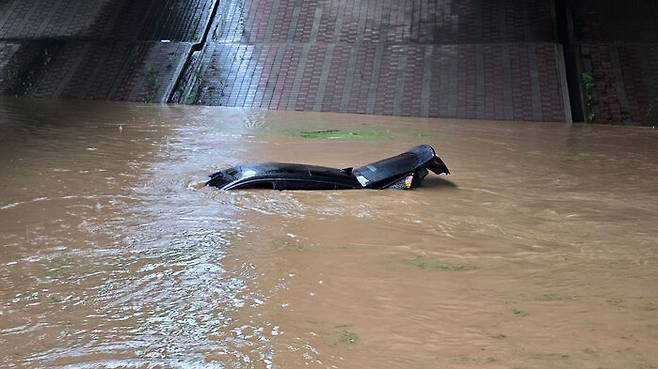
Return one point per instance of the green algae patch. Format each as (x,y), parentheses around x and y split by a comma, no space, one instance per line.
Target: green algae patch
(341,335)
(341,135)
(474,360)
(616,302)
(348,337)
(430,264)
(358,134)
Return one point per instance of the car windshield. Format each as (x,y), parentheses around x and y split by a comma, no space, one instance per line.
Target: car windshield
(224,177)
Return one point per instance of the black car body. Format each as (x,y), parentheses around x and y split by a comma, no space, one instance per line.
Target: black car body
(403,171)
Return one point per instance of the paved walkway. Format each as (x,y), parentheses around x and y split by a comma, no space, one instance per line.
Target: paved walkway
(491,59)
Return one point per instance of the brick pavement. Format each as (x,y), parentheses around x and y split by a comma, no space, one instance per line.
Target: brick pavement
(407,80)
(489,59)
(387,21)
(113,70)
(617,43)
(625,82)
(106,49)
(127,20)
(492,59)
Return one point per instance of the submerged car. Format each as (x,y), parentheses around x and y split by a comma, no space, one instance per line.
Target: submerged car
(403,171)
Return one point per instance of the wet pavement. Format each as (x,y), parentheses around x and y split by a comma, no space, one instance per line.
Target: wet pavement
(538,60)
(538,251)
(474,59)
(101,50)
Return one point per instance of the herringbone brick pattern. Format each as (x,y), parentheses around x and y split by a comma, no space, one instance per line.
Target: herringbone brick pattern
(491,59)
(34,19)
(106,49)
(111,71)
(413,79)
(153,20)
(388,21)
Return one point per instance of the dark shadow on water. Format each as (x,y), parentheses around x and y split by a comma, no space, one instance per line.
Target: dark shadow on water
(438,182)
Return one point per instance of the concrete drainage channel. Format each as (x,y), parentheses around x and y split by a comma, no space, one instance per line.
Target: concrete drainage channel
(181,87)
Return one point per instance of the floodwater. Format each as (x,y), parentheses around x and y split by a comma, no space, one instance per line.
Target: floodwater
(539,251)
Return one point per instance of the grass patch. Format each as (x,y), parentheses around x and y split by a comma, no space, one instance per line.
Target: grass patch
(588,91)
(519,313)
(152,78)
(198,73)
(192,98)
(430,264)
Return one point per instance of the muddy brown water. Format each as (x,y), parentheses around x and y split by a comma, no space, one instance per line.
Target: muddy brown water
(540,251)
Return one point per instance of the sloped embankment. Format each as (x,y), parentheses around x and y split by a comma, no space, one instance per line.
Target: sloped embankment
(110,49)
